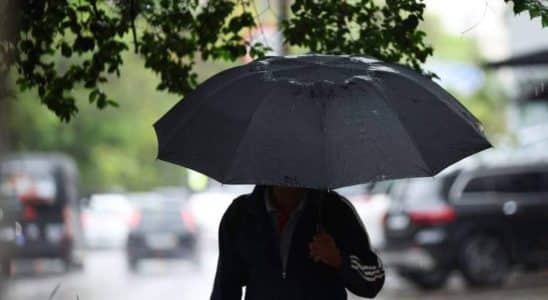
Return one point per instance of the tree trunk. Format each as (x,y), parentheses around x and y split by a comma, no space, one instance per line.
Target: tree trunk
(5,103)
(8,32)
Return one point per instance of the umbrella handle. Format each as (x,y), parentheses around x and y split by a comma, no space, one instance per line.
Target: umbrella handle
(319,221)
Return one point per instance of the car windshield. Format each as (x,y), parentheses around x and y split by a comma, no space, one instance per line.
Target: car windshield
(110,204)
(417,192)
(161,220)
(158,212)
(34,183)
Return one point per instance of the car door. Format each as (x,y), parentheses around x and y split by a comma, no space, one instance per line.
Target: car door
(521,194)
(475,200)
(543,208)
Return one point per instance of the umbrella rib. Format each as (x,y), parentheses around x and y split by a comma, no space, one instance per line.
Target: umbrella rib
(204,101)
(454,105)
(382,94)
(244,135)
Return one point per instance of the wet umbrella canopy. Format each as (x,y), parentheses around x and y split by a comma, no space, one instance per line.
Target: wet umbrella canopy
(318,121)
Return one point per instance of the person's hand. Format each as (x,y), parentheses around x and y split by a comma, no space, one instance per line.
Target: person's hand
(323,249)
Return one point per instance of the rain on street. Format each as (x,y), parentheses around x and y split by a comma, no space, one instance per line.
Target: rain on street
(106,276)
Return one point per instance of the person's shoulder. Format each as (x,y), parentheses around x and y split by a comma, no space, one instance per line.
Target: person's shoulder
(238,206)
(241,202)
(340,203)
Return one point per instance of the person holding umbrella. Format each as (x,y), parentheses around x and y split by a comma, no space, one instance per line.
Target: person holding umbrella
(269,242)
(299,127)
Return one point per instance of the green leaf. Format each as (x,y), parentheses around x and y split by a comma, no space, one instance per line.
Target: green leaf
(93,95)
(113,103)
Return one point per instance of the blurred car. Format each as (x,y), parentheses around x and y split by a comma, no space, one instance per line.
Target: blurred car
(160,228)
(173,192)
(40,210)
(371,203)
(106,221)
(209,206)
(481,222)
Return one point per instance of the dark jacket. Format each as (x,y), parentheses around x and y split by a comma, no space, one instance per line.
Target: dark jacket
(249,253)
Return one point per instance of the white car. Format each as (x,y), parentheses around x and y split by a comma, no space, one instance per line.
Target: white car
(209,206)
(371,204)
(106,221)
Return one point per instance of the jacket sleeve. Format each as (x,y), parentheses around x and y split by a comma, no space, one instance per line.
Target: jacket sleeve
(362,269)
(231,273)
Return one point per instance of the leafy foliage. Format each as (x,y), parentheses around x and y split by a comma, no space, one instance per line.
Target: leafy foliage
(113,148)
(172,35)
(92,36)
(536,8)
(389,32)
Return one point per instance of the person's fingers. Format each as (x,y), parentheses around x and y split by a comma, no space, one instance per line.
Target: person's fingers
(318,256)
(317,251)
(328,238)
(319,243)
(315,258)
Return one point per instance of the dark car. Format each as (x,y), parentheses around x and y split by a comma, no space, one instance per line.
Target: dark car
(160,228)
(40,210)
(481,222)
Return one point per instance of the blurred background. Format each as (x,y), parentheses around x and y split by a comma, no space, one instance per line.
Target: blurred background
(87,212)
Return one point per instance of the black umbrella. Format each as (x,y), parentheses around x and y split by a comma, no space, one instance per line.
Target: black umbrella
(317,121)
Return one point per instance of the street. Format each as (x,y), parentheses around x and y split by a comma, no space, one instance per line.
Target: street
(106,277)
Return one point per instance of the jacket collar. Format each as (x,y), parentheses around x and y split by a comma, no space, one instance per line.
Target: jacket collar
(271,209)
(257,200)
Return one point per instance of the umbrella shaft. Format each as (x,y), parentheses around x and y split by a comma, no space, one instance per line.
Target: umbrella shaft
(319,223)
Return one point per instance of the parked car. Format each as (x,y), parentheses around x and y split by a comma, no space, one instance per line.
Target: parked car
(208,207)
(40,210)
(106,221)
(371,203)
(481,222)
(160,228)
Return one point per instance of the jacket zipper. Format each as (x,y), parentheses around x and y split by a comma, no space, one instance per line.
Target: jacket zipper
(284,268)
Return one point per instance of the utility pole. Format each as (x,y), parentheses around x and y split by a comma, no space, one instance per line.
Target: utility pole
(4,116)
(8,24)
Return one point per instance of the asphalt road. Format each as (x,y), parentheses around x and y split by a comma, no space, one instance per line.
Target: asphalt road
(106,277)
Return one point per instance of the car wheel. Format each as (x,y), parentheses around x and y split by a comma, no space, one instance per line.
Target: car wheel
(133,264)
(67,264)
(484,260)
(427,280)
